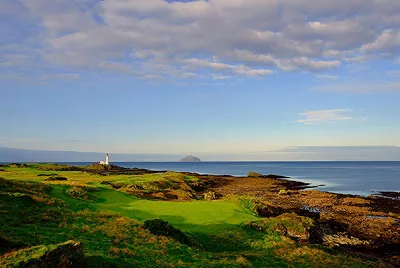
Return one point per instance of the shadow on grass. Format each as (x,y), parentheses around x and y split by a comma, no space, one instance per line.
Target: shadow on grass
(106,262)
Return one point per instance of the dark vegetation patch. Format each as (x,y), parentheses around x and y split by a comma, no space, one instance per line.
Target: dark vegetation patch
(56,178)
(57,167)
(47,175)
(68,254)
(161,227)
(2,169)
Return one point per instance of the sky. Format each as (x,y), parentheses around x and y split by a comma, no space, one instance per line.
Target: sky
(227,79)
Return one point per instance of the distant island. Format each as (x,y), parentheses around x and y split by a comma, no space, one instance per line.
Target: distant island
(190,158)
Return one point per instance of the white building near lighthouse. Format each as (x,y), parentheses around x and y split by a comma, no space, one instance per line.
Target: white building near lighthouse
(107,162)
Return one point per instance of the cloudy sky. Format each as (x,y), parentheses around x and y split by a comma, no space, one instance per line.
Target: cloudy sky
(212,77)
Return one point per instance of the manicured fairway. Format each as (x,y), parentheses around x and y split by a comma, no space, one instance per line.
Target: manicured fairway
(196,216)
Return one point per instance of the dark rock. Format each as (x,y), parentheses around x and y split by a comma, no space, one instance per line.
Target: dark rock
(394,195)
(268,211)
(310,212)
(274,176)
(316,235)
(332,226)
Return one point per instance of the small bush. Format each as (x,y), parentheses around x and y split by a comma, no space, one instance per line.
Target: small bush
(47,175)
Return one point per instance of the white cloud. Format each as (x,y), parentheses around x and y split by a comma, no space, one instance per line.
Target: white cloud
(220,77)
(325,76)
(325,116)
(244,38)
(362,87)
(389,40)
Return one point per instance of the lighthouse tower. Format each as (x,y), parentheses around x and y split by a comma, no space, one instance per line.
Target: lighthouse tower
(107,160)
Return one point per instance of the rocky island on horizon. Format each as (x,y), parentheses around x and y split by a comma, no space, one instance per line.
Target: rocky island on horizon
(190,158)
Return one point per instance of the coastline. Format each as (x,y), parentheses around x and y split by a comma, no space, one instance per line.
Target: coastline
(369,226)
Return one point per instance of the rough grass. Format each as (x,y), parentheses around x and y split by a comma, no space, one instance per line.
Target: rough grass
(33,212)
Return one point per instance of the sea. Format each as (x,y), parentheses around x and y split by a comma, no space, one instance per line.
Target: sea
(358,178)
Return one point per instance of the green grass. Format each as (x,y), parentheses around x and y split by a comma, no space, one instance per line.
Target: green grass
(110,224)
(195,216)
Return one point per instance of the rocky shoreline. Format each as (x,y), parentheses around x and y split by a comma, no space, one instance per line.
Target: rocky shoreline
(368,226)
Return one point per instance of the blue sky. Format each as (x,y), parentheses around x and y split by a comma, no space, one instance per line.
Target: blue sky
(238,79)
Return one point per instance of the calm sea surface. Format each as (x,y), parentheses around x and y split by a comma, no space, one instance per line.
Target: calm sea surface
(362,178)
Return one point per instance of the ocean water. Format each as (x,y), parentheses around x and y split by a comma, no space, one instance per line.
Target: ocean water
(360,178)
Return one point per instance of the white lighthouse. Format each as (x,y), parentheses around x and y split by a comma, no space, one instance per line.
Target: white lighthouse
(107,162)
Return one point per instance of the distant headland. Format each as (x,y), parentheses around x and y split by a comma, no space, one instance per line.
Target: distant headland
(190,158)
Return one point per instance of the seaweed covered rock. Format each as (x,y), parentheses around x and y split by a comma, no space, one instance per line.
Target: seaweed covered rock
(310,212)
(68,254)
(161,227)
(267,211)
(301,229)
